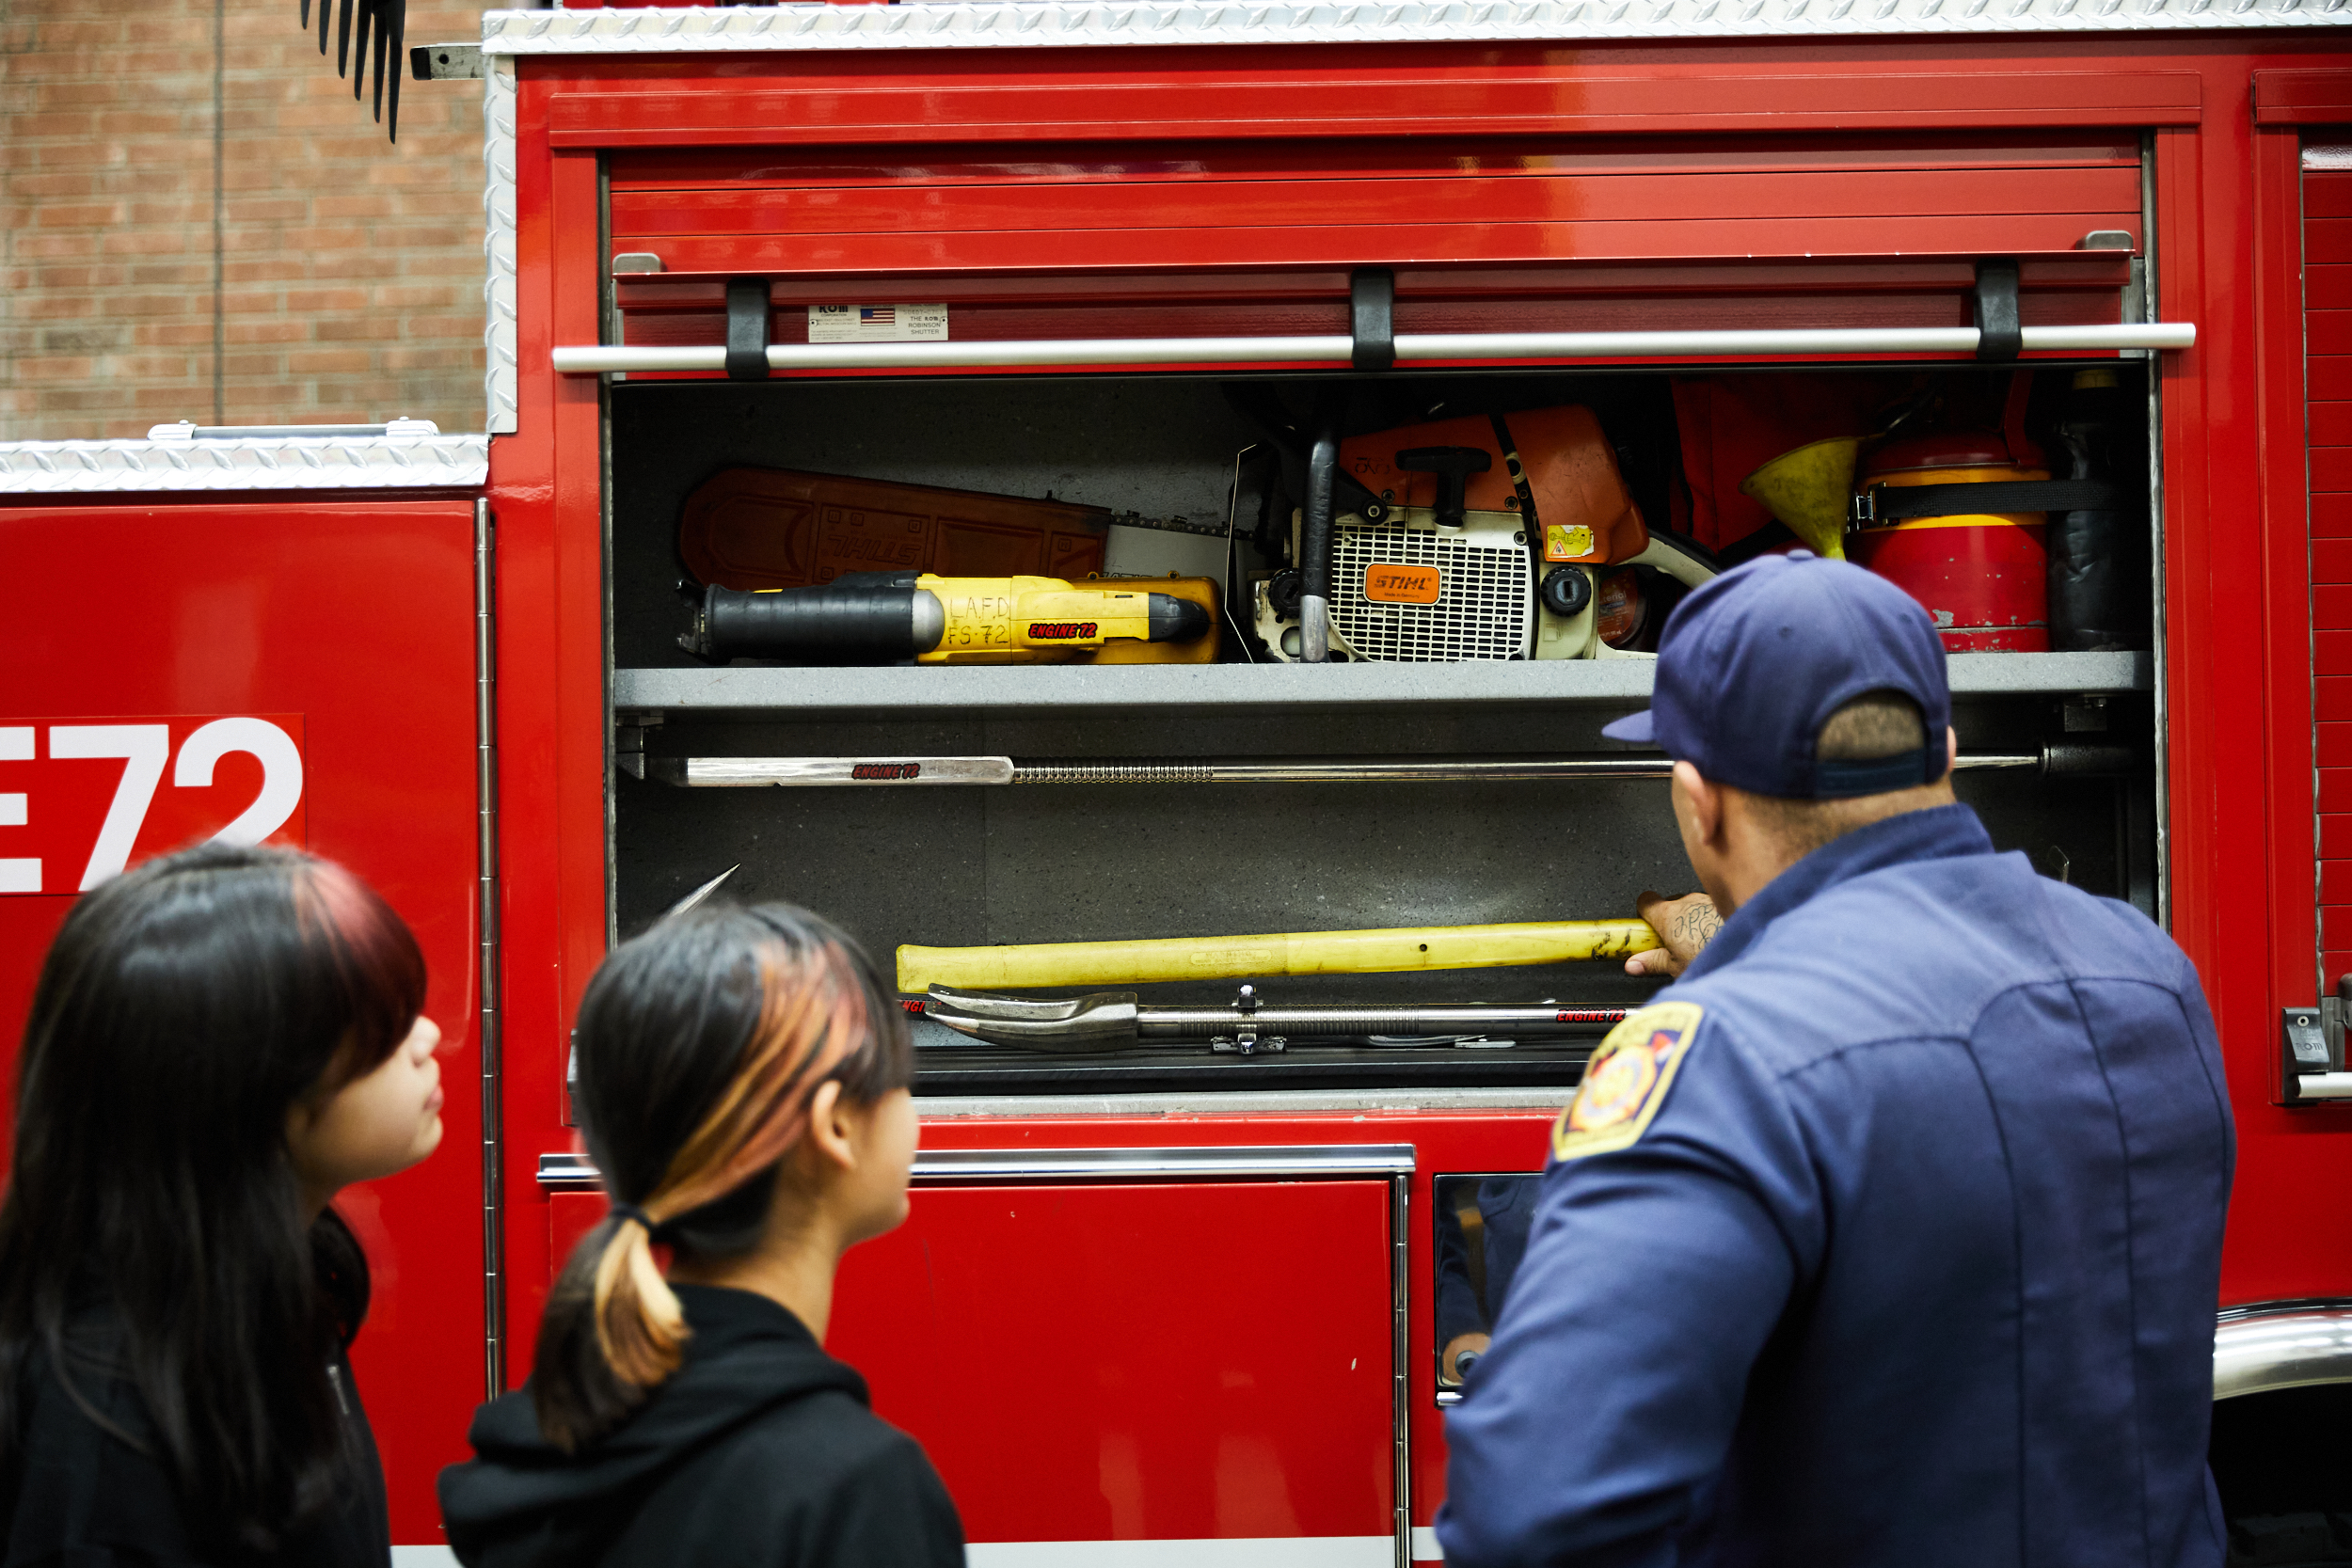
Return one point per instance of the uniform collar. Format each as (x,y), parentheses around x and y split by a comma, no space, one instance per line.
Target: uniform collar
(1940,832)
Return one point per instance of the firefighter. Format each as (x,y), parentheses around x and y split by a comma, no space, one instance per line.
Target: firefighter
(1891,1232)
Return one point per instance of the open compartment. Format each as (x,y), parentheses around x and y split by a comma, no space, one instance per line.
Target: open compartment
(1082,841)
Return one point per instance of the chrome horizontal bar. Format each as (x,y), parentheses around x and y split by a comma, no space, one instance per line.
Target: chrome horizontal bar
(823,772)
(1394,1021)
(559,1171)
(1030,1164)
(1331,349)
(2293,1346)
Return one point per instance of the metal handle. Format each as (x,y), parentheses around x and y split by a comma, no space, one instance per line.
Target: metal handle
(898,771)
(1035,1164)
(1336,349)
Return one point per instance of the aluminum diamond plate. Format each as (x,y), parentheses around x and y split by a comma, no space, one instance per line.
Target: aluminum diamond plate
(288,462)
(501,373)
(1061,24)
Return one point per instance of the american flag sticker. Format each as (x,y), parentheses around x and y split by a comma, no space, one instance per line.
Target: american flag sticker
(877,323)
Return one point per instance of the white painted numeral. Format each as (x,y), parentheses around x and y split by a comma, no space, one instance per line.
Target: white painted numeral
(143,748)
(281,773)
(21,874)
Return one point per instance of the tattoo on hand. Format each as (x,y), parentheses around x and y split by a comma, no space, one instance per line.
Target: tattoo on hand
(1695,926)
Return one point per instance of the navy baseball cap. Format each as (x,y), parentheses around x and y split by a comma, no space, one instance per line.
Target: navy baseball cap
(1752,665)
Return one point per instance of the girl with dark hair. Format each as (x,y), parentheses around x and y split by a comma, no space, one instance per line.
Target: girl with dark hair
(218,1042)
(743,1088)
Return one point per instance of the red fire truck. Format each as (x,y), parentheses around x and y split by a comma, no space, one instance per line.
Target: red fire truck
(1163,1296)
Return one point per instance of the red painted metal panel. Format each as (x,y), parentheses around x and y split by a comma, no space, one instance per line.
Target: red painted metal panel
(2331,607)
(2327,331)
(2335,883)
(2332,653)
(1083,1364)
(2327,288)
(2333,703)
(2335,836)
(2328,241)
(359,617)
(2335,791)
(1430,157)
(2330,423)
(2332,562)
(1403,244)
(2302,97)
(1181,95)
(2330,378)
(1524,197)
(2327,195)
(2333,743)
(2330,470)
(2331,516)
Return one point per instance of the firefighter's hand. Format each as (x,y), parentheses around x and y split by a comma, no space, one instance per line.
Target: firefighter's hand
(1455,1349)
(1684,924)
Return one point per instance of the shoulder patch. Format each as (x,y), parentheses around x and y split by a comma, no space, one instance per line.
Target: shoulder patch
(1626,1081)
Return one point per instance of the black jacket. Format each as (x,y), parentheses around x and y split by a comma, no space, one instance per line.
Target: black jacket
(761,1451)
(77,1496)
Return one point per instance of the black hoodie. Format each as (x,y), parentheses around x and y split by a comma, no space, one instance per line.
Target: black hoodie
(761,1451)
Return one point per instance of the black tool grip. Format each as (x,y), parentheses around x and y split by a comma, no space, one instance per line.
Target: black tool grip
(1453,466)
(1174,620)
(2000,335)
(1372,318)
(747,329)
(858,618)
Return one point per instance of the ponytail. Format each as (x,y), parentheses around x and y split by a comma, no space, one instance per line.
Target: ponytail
(701,1044)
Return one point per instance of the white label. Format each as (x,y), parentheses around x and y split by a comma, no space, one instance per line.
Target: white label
(877,323)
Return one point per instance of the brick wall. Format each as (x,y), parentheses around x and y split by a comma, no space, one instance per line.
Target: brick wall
(340,280)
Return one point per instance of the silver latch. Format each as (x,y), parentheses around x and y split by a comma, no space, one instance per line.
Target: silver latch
(1244,1040)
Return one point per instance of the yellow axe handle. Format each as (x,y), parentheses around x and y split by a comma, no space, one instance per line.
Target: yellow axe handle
(1109,963)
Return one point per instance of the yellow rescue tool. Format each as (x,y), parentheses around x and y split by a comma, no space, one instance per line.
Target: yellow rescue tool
(883,617)
(1377,952)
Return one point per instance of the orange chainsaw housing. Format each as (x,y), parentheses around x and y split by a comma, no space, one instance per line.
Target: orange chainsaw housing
(1571,471)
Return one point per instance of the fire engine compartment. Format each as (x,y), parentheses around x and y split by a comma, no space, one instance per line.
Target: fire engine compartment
(962,865)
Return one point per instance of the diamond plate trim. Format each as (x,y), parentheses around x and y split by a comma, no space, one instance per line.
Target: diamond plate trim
(1062,24)
(500,375)
(290,463)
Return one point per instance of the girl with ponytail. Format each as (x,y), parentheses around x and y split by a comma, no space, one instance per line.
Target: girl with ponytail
(743,1088)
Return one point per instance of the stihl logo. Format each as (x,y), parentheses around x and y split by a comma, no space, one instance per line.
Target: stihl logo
(1060,631)
(1385,583)
(884,771)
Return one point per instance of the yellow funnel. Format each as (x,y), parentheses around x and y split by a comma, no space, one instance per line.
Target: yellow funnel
(1810,489)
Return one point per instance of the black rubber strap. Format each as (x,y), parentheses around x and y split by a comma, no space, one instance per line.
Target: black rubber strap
(1372,317)
(1998,334)
(747,329)
(1891,504)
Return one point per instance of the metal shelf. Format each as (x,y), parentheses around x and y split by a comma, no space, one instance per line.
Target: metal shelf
(903,691)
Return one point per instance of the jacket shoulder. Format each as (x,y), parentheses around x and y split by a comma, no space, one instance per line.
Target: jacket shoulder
(1922,951)
(821,1480)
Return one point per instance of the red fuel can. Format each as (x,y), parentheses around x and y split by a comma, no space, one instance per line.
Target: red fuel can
(1982,577)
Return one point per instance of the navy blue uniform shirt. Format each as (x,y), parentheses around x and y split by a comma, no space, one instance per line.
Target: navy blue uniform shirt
(1894,1240)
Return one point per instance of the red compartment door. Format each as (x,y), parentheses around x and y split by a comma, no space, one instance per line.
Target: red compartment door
(344,629)
(1201,1362)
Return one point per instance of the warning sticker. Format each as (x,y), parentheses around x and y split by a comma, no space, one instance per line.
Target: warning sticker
(877,323)
(1566,542)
